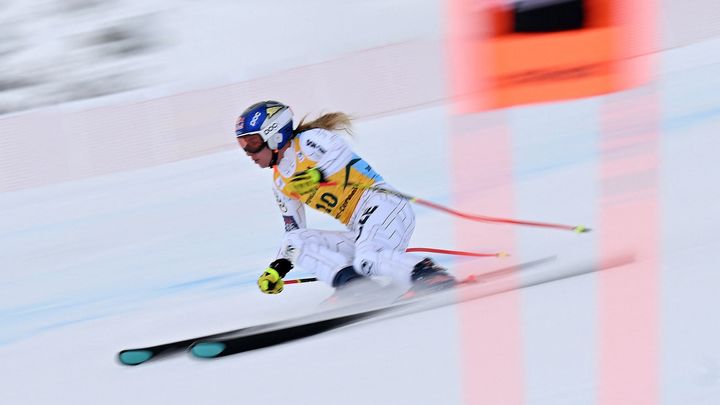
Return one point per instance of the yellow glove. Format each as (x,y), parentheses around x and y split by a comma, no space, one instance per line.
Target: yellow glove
(271,281)
(305,182)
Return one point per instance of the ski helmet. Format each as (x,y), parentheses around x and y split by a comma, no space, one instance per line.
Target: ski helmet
(270,119)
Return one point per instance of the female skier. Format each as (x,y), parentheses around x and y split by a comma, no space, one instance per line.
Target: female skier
(313,165)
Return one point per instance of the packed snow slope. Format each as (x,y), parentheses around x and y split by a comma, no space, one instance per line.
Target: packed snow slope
(96,265)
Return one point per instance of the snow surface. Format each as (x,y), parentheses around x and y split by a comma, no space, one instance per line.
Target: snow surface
(135,258)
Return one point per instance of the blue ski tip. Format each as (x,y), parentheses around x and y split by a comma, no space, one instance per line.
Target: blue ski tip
(207,349)
(135,357)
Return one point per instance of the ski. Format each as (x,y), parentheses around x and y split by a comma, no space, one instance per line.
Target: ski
(293,329)
(140,355)
(133,357)
(284,332)
(265,335)
(307,325)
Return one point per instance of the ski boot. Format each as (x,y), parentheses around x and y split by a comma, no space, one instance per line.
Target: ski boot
(351,288)
(427,277)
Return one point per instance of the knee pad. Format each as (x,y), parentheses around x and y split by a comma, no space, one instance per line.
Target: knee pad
(386,263)
(365,262)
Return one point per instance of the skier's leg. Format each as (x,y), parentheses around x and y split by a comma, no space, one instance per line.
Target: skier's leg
(383,228)
(323,253)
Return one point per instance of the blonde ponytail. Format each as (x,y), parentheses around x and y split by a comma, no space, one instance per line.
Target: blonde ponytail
(335,121)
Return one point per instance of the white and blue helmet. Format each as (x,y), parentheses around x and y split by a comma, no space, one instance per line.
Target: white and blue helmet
(272,120)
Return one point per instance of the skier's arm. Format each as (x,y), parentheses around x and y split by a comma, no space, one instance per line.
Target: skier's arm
(293,211)
(331,153)
(330,150)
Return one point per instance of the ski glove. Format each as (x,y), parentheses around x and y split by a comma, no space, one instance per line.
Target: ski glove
(305,182)
(271,281)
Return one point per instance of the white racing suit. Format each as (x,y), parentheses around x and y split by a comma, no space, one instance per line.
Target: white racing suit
(379,224)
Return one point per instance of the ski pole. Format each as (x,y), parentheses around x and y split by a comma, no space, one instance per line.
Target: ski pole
(455,252)
(300,280)
(471,217)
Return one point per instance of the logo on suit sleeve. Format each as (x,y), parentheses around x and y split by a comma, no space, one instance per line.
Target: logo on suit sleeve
(291,253)
(279,183)
(315,146)
(280,202)
(290,223)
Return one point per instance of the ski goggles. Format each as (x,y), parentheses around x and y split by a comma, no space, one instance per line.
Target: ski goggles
(254,143)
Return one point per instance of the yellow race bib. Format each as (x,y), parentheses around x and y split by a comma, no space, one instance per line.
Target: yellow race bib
(339,194)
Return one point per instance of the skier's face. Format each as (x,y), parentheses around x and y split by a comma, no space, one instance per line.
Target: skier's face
(255,147)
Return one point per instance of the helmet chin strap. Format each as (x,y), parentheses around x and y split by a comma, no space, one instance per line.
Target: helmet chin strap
(274,159)
(275,155)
